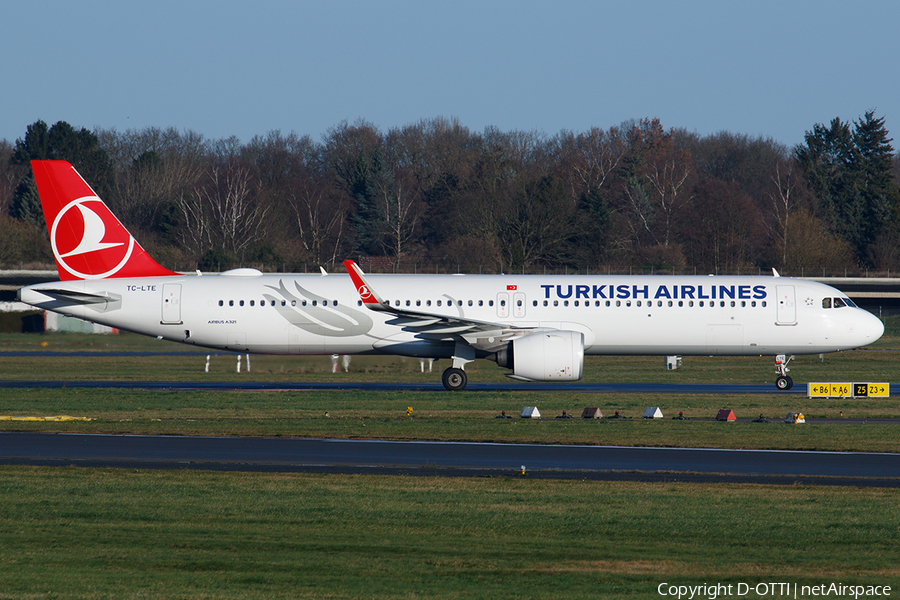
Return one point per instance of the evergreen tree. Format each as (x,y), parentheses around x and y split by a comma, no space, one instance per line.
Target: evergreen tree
(850,173)
(368,221)
(59,142)
(871,166)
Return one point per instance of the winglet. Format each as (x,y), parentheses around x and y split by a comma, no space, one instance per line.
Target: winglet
(366,293)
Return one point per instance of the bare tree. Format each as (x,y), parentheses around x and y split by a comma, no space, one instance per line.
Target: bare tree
(589,159)
(782,195)
(223,214)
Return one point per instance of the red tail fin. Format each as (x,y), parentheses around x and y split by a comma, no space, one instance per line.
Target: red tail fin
(88,241)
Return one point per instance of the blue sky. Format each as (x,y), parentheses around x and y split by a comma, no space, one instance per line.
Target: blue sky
(761,68)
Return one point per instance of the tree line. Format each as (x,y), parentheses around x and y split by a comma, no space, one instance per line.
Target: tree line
(435,196)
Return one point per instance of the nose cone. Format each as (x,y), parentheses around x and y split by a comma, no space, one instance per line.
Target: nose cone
(869,328)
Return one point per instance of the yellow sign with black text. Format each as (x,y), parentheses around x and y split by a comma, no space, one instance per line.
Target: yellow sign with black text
(848,390)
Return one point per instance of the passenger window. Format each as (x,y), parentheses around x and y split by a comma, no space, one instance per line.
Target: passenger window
(618,303)
(691,303)
(283,302)
(701,303)
(753,304)
(231,303)
(763,304)
(638,302)
(241,303)
(565,302)
(576,303)
(470,303)
(252,303)
(490,302)
(681,303)
(556,303)
(294,302)
(670,302)
(481,303)
(221,303)
(628,303)
(418,303)
(428,303)
(534,303)
(438,302)
(546,303)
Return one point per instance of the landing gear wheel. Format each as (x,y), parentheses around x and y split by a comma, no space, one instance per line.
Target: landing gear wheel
(454,379)
(784,383)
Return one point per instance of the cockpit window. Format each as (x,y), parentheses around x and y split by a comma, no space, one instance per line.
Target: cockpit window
(826,302)
(839,303)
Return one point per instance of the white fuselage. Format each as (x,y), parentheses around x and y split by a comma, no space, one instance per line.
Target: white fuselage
(246,311)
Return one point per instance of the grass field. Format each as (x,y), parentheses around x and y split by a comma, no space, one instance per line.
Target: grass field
(99,533)
(81,533)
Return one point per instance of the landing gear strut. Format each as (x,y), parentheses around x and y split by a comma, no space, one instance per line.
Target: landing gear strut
(784,381)
(454,379)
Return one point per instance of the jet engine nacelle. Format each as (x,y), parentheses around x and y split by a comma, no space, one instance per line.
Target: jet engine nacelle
(545,356)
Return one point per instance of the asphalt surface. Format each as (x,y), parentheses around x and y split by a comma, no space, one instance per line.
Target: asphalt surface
(512,386)
(451,459)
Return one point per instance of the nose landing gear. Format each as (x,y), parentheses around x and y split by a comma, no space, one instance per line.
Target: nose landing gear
(784,381)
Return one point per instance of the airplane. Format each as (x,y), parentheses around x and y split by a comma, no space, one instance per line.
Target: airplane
(540,327)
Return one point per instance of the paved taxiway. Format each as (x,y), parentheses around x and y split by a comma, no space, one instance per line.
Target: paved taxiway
(512,386)
(450,458)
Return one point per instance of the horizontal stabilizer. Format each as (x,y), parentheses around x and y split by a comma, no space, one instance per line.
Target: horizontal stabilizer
(77,297)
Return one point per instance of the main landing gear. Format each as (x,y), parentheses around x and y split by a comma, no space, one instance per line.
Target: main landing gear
(454,378)
(784,381)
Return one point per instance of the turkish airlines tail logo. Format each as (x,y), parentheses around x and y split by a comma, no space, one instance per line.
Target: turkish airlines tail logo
(88,241)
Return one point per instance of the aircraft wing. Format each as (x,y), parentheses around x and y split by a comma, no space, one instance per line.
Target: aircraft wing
(483,335)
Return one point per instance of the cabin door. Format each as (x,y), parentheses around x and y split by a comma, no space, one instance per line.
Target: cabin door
(171,303)
(787,308)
